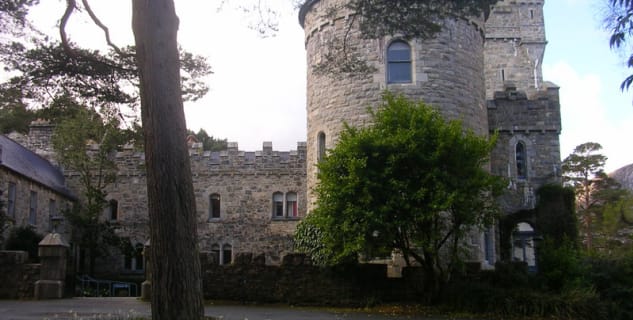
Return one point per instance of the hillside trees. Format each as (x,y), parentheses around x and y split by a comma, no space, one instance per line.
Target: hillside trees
(411,181)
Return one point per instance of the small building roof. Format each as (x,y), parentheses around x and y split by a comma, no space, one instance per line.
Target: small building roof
(28,164)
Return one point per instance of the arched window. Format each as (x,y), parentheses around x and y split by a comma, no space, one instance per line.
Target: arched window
(523,246)
(291,205)
(521,160)
(215,251)
(227,254)
(320,146)
(134,260)
(278,205)
(399,62)
(113,208)
(214,206)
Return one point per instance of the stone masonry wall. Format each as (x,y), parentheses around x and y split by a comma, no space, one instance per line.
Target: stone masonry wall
(21,215)
(515,45)
(245,182)
(297,282)
(537,124)
(16,276)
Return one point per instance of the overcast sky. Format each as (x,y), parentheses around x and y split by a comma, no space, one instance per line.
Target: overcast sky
(258,86)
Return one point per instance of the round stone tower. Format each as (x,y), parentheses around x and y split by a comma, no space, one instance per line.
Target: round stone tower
(446,72)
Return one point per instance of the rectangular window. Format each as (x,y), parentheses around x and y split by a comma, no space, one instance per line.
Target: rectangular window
(278,205)
(214,208)
(33,208)
(291,204)
(11,202)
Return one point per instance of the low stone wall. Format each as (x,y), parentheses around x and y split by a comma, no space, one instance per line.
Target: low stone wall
(17,276)
(298,282)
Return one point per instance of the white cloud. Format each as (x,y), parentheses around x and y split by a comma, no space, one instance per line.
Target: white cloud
(586,116)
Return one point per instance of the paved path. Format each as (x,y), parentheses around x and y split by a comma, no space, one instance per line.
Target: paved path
(126,308)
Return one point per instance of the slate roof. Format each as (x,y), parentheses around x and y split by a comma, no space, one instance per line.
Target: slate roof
(27,163)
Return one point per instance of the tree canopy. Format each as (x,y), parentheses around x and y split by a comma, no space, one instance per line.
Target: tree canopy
(411,181)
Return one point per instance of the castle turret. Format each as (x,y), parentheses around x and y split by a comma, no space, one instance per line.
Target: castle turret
(446,72)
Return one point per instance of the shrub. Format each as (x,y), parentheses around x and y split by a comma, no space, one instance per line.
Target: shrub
(24,239)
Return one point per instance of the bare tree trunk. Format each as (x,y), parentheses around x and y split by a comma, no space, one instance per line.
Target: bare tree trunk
(174,258)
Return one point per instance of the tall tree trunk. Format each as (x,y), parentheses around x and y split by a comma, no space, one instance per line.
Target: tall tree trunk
(174,258)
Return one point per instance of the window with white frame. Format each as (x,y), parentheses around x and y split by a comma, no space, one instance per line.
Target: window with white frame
(292,211)
(278,205)
(214,206)
(399,64)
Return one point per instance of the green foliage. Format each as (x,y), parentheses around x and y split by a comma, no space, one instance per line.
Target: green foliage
(555,213)
(24,238)
(413,19)
(612,278)
(14,115)
(619,21)
(411,181)
(560,265)
(46,71)
(85,142)
(209,143)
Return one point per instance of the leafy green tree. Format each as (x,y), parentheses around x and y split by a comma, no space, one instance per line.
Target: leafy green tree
(84,143)
(209,143)
(619,21)
(411,181)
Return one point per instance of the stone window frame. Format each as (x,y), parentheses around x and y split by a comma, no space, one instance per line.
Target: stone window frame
(135,263)
(33,208)
(52,213)
(215,214)
(286,201)
(223,253)
(11,196)
(113,210)
(278,198)
(521,160)
(227,254)
(512,159)
(321,146)
(389,62)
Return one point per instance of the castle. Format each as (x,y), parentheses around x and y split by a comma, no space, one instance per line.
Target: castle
(486,73)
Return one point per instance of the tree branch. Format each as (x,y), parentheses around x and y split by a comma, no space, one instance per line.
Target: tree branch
(103,27)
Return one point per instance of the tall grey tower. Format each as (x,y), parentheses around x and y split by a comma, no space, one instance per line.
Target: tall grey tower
(447,72)
(515,45)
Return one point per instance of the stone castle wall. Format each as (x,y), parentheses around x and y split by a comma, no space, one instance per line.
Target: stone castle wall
(245,183)
(537,124)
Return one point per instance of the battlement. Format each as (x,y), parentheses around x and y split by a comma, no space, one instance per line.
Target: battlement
(512,111)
